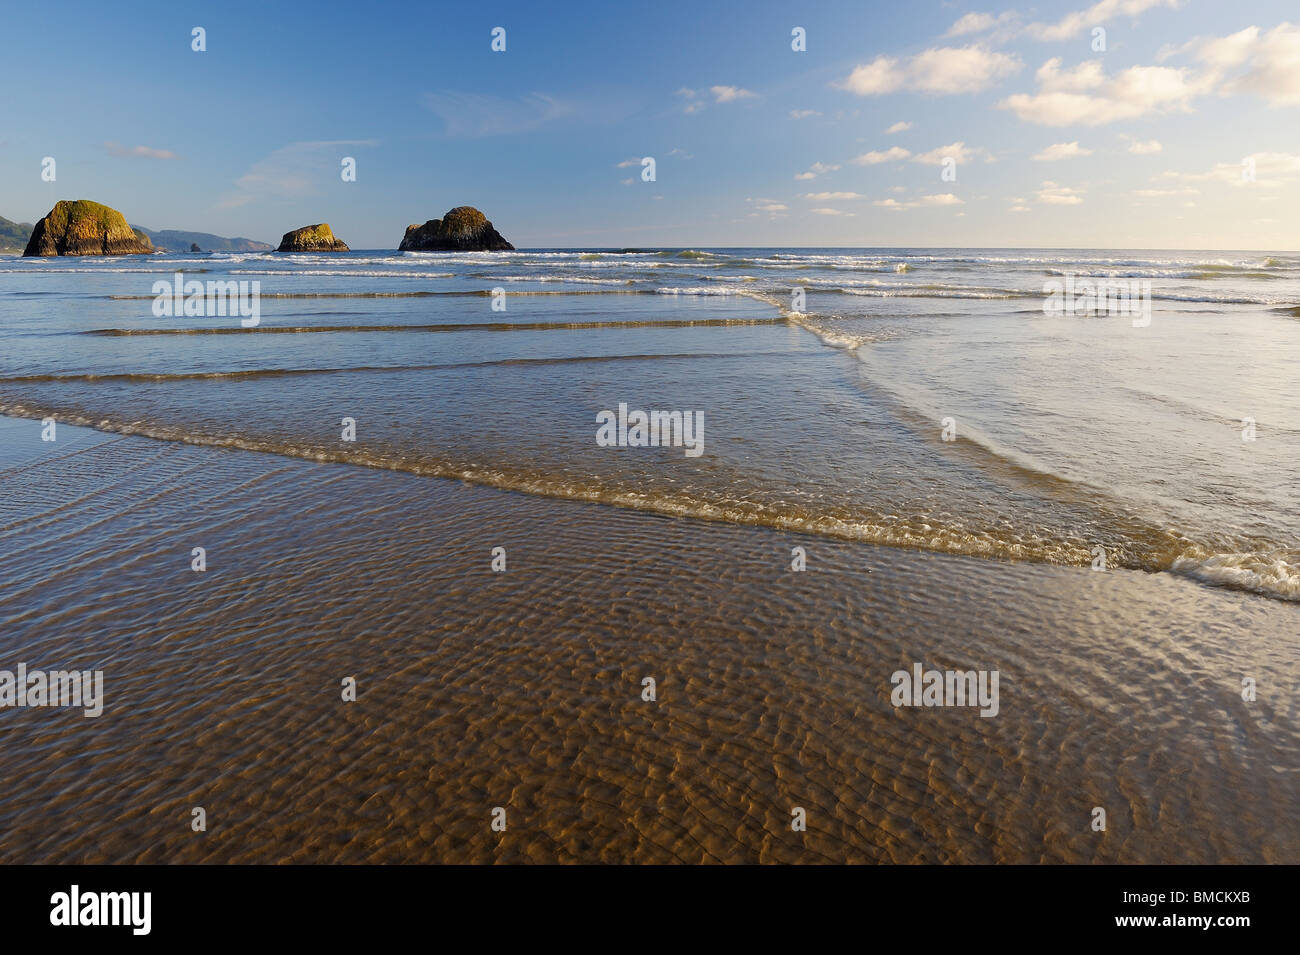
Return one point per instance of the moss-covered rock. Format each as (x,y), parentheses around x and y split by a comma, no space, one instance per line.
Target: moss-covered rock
(82,227)
(312,238)
(463,229)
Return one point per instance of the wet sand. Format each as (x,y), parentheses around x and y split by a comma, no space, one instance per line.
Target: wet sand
(523,689)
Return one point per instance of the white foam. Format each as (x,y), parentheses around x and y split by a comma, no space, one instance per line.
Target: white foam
(1276,574)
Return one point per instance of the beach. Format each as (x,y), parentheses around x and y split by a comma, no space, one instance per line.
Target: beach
(521,687)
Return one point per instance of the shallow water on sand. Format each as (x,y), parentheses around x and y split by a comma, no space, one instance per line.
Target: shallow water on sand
(522,689)
(1076,436)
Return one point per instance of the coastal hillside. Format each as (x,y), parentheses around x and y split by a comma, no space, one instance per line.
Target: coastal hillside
(176,240)
(14,235)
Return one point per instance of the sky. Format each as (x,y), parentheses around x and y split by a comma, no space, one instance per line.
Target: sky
(1116,124)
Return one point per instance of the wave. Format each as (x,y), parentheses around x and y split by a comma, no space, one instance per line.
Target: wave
(939,292)
(256,373)
(1272,573)
(446,327)
(460,293)
(704,290)
(1204,273)
(421,294)
(353,273)
(580,279)
(688,254)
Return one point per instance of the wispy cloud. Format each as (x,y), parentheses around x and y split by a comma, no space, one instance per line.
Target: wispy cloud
(877,156)
(141,152)
(476,115)
(1255,168)
(1058,151)
(1057,195)
(1143,147)
(815,170)
(729,94)
(941,199)
(1077,21)
(696,100)
(773,208)
(972,23)
(958,152)
(898,128)
(291,172)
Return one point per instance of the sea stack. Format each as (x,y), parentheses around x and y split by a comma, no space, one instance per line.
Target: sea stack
(82,227)
(312,238)
(463,229)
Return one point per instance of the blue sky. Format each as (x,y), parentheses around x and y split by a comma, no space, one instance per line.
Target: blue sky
(1053,142)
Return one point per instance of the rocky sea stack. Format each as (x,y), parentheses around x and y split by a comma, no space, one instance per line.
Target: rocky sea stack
(82,227)
(312,238)
(463,229)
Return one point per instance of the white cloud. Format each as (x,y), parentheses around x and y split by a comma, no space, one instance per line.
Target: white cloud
(830,212)
(1160,193)
(815,170)
(634,161)
(980,23)
(958,152)
(1224,53)
(729,94)
(1267,167)
(942,199)
(831,196)
(142,152)
(1085,96)
(1271,61)
(898,128)
(966,69)
(875,157)
(803,113)
(945,199)
(1077,21)
(1061,151)
(1145,147)
(768,205)
(1056,195)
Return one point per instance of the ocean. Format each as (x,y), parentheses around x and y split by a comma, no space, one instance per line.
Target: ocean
(1102,504)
